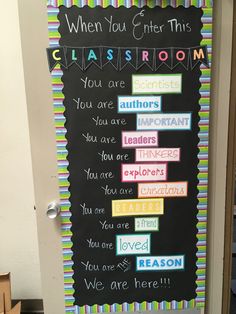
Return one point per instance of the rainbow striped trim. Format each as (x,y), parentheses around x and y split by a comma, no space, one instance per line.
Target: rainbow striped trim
(63,173)
(203,135)
(129,3)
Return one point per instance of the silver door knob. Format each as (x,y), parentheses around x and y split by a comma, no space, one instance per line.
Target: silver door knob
(53,210)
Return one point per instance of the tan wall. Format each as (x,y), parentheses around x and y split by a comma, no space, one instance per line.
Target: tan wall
(18,235)
(43,146)
(220,97)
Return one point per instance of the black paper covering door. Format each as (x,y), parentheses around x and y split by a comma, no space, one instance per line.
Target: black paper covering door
(131,100)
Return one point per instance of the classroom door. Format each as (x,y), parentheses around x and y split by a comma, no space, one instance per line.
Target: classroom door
(33,20)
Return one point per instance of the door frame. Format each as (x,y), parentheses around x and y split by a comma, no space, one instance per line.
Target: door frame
(230,181)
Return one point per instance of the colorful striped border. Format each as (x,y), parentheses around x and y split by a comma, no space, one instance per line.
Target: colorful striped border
(63,173)
(129,3)
(203,135)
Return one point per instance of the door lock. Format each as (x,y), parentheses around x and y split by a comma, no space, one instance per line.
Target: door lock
(53,210)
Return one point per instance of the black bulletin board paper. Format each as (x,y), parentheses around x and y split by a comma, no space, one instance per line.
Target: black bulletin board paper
(94,144)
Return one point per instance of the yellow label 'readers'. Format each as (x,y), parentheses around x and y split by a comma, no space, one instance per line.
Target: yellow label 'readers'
(137,207)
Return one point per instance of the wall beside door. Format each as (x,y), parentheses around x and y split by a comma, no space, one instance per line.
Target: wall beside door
(18,234)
